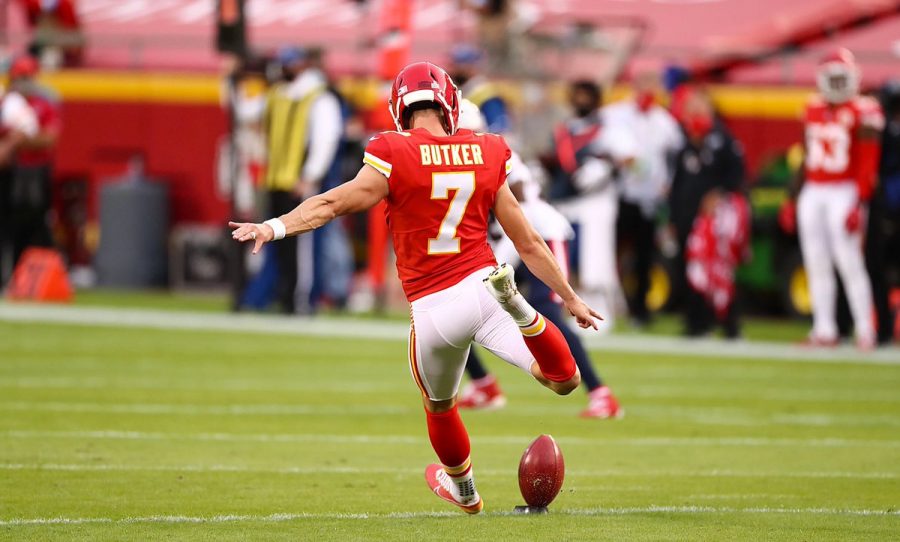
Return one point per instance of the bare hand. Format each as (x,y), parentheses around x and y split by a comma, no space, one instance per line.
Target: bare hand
(260,234)
(583,314)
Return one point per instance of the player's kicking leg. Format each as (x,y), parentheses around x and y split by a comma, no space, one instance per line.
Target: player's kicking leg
(554,366)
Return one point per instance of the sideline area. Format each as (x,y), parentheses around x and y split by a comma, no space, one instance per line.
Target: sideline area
(350,327)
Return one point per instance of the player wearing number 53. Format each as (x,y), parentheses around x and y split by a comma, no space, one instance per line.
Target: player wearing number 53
(843,144)
(440,183)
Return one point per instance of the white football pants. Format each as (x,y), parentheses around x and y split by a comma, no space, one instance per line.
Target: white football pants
(822,210)
(444,325)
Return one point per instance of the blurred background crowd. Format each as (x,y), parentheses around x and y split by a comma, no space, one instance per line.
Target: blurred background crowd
(669,134)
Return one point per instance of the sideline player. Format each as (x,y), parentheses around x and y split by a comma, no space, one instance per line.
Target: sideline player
(484,391)
(440,184)
(843,134)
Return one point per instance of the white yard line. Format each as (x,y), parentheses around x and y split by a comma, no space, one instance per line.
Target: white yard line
(205,410)
(286,517)
(743,417)
(330,469)
(409,439)
(388,330)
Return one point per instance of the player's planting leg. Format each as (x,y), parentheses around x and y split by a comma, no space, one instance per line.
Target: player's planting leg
(453,481)
(443,325)
(554,365)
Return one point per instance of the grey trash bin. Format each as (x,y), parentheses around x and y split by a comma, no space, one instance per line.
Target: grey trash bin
(134,223)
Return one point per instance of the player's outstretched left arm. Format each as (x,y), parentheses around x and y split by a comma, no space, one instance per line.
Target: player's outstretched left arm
(363,192)
(537,256)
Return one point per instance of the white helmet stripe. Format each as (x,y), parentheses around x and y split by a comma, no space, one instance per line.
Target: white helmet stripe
(418,96)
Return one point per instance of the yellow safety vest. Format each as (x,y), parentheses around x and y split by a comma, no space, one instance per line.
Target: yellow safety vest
(286,129)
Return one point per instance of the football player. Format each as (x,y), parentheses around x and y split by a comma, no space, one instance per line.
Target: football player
(484,390)
(842,138)
(440,184)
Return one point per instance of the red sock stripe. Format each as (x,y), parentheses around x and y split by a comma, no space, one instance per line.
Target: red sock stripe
(455,472)
(413,361)
(536,327)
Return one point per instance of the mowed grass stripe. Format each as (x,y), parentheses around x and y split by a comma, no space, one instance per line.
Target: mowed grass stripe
(400,471)
(411,439)
(380,330)
(731,416)
(282,517)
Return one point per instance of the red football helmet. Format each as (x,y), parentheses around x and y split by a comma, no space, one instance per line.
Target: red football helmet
(838,76)
(425,82)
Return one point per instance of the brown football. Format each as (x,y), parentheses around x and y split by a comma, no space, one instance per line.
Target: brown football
(541,472)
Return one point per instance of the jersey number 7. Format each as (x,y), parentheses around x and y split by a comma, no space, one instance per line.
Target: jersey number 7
(463,185)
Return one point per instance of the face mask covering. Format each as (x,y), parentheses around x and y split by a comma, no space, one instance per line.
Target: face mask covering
(582,111)
(645,101)
(697,126)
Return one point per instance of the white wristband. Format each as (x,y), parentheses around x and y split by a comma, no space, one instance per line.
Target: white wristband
(277,226)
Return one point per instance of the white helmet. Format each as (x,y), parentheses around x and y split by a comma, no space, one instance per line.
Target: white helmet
(470,116)
(838,77)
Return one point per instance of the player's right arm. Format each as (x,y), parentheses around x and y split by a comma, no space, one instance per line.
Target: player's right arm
(537,256)
(363,192)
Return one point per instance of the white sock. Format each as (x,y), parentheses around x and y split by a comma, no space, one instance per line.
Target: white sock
(521,311)
(465,486)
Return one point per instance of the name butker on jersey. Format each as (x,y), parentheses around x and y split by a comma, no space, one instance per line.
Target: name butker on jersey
(441,191)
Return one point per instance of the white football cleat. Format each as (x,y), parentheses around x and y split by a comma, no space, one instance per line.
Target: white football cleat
(501,284)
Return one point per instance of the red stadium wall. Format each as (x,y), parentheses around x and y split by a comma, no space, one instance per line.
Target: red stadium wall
(176,141)
(763,138)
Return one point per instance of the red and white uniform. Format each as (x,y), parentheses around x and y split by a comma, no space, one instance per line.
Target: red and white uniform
(833,150)
(441,190)
(840,172)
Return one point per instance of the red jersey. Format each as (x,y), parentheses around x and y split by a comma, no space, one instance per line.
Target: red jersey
(46,109)
(442,189)
(833,146)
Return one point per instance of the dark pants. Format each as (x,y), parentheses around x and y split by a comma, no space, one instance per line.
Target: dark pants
(877,253)
(282,202)
(540,296)
(877,264)
(641,231)
(24,204)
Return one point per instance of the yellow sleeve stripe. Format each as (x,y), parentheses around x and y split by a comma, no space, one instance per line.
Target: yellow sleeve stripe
(383,167)
(508,166)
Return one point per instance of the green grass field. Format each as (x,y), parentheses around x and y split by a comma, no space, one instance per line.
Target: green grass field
(131,434)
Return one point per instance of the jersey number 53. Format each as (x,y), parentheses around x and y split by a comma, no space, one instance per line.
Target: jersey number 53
(828,147)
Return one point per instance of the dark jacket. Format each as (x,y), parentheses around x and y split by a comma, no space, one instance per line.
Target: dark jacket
(717,163)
